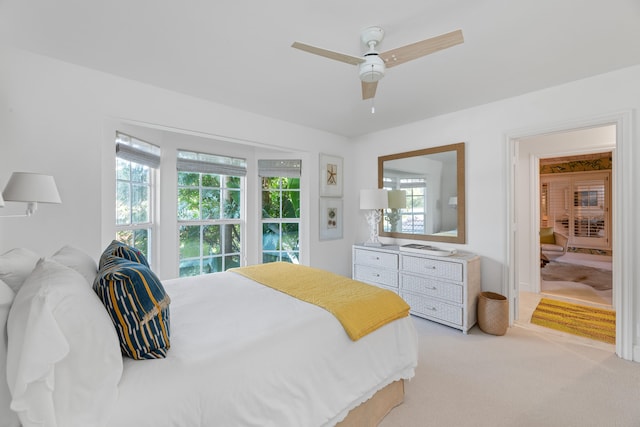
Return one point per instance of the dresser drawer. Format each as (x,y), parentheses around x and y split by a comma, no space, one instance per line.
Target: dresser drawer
(440,289)
(431,287)
(376,258)
(422,306)
(376,275)
(432,267)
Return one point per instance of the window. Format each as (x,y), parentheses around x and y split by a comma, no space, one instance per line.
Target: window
(280,210)
(577,206)
(412,217)
(136,163)
(209,212)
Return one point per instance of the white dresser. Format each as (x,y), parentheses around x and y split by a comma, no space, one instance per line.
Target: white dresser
(377,266)
(442,289)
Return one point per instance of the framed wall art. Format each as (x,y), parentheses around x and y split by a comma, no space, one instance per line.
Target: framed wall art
(331,176)
(330,218)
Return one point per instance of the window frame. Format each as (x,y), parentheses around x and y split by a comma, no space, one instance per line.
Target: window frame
(198,160)
(136,151)
(409,215)
(280,169)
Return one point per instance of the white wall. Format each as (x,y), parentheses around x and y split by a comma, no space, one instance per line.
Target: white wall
(55,118)
(487,130)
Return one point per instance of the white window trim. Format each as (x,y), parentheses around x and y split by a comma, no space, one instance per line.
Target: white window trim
(202,167)
(280,221)
(152,161)
(170,140)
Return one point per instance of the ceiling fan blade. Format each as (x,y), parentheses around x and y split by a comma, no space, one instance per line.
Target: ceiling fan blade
(425,47)
(342,57)
(369,90)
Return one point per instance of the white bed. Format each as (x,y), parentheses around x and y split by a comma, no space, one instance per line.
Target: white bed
(243,354)
(268,360)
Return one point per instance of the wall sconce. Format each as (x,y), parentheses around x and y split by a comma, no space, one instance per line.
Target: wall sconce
(375,201)
(453,202)
(397,201)
(31,188)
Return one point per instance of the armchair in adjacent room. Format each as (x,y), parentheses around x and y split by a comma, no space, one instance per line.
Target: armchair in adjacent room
(552,243)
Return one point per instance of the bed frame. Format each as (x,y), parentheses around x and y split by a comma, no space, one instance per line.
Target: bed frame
(373,411)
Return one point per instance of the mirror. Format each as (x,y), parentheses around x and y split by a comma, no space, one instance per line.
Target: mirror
(426,198)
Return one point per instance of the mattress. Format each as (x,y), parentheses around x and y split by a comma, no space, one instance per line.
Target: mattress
(243,354)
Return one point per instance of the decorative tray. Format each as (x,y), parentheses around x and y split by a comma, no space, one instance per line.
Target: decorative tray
(426,249)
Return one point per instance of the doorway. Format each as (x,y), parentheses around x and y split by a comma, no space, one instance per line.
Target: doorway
(575,227)
(522,207)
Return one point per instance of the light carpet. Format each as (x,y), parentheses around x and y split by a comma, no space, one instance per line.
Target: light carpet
(585,321)
(530,377)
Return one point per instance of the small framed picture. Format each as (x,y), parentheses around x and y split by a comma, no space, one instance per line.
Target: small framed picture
(330,218)
(330,176)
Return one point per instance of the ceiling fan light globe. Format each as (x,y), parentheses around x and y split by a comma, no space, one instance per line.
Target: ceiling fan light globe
(372,69)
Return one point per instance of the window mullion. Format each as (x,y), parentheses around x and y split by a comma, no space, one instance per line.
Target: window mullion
(130,183)
(201,246)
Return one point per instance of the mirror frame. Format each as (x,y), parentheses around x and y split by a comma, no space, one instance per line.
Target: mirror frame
(461,208)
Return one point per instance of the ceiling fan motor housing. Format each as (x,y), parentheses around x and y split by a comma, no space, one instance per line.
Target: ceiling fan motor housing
(372,69)
(371,34)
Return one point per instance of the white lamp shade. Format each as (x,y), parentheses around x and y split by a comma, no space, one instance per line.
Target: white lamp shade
(31,187)
(397,199)
(374,199)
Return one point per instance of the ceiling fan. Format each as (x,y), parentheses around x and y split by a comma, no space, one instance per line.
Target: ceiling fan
(372,64)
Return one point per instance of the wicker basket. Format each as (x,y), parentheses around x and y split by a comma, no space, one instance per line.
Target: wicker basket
(493,313)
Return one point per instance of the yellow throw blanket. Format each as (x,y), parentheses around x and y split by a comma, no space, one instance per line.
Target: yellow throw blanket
(361,308)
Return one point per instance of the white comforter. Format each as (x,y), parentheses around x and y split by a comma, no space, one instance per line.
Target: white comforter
(243,354)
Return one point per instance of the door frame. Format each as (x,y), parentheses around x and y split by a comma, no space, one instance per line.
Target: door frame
(621,203)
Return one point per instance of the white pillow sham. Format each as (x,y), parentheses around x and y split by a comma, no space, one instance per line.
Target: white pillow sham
(16,265)
(63,361)
(77,260)
(8,418)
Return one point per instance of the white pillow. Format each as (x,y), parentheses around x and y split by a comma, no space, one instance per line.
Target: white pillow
(78,260)
(16,265)
(8,418)
(64,361)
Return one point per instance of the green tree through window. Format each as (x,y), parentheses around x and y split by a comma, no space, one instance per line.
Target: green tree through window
(280,219)
(210,223)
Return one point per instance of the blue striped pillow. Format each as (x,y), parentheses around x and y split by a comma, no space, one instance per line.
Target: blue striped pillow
(138,306)
(122,250)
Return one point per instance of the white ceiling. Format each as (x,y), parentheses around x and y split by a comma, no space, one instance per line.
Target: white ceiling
(237,52)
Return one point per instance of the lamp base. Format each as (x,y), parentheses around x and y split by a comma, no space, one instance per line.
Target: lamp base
(373,218)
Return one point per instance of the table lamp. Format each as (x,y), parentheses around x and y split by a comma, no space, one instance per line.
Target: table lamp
(397,201)
(374,201)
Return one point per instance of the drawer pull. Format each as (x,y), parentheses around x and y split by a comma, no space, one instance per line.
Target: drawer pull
(430,267)
(432,288)
(376,275)
(432,308)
